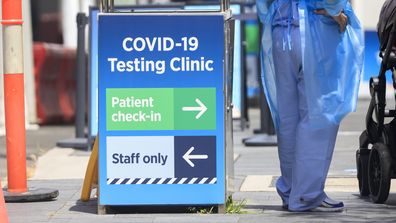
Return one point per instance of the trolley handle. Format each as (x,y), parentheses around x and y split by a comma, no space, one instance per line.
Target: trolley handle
(108,5)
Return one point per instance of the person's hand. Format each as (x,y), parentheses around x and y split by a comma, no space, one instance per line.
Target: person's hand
(341,19)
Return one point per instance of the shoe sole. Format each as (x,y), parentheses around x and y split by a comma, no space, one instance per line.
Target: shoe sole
(327,209)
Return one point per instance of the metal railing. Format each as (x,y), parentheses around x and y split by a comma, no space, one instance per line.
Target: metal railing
(108,5)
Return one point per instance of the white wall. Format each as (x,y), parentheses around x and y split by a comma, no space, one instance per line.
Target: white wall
(30,95)
(70,8)
(368,12)
(126,2)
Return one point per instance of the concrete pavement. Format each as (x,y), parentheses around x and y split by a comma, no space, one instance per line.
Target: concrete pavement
(255,171)
(38,141)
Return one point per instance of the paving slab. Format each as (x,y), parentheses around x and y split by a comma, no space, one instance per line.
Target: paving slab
(256,169)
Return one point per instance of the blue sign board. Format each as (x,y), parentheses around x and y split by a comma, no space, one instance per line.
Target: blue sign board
(237,56)
(93,77)
(161,109)
(93,59)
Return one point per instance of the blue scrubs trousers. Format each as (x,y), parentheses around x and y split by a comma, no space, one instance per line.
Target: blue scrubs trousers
(305,153)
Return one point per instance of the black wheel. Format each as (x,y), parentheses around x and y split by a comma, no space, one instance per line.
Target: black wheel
(380,164)
(362,157)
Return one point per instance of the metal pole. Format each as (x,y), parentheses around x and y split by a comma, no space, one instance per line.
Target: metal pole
(82,21)
(224,5)
(14,100)
(104,6)
(107,5)
(266,134)
(79,142)
(111,6)
(228,72)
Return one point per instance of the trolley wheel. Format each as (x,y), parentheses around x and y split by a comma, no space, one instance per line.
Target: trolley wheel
(362,158)
(380,164)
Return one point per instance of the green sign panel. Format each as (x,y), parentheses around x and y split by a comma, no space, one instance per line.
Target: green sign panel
(160,108)
(195,108)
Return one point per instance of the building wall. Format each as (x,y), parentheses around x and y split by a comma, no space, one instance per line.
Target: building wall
(368,12)
(30,103)
(69,9)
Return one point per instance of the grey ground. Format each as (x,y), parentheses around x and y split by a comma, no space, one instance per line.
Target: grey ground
(262,206)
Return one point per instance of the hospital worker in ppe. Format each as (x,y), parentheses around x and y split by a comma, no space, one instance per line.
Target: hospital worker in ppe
(311,56)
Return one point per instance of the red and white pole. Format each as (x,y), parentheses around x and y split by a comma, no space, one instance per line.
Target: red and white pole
(14,96)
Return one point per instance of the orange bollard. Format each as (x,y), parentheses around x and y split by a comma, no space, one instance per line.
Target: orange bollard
(14,95)
(15,132)
(14,106)
(3,210)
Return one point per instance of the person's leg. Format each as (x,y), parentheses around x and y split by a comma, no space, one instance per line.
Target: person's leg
(313,154)
(286,68)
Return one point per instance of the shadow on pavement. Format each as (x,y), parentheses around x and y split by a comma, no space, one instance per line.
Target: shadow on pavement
(91,208)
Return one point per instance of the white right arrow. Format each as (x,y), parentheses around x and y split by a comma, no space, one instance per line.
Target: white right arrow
(188,157)
(202,108)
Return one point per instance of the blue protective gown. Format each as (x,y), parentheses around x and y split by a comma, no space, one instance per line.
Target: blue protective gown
(310,74)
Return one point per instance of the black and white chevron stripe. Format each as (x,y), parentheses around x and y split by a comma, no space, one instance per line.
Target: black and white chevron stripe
(195,180)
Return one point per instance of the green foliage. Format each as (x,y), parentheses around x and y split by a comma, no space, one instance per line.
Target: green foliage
(201,210)
(233,207)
